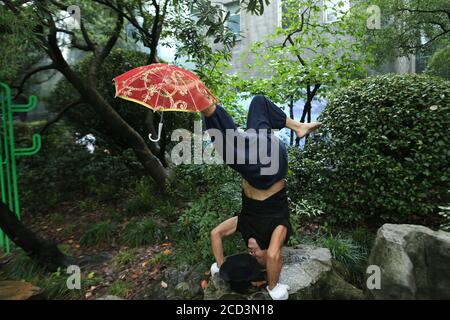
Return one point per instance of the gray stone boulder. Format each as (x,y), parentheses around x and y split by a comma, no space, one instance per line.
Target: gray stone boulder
(414,262)
(309,272)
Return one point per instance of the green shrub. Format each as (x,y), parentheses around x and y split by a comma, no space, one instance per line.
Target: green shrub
(383,151)
(141,232)
(63,170)
(98,233)
(439,64)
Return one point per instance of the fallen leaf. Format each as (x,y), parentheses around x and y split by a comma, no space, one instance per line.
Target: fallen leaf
(144,264)
(167,251)
(88,295)
(203,284)
(91,275)
(163,284)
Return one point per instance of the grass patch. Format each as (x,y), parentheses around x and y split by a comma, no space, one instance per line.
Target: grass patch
(54,284)
(57,219)
(142,200)
(161,259)
(98,233)
(87,205)
(344,250)
(141,232)
(124,257)
(120,288)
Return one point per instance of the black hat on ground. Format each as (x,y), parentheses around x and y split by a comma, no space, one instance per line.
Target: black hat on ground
(240,270)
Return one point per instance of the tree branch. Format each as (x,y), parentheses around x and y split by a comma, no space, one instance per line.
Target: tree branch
(447,12)
(89,44)
(129,17)
(112,40)
(29,74)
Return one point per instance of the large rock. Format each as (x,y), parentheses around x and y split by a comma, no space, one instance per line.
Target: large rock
(414,263)
(309,272)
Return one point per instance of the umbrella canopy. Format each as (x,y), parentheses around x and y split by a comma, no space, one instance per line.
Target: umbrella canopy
(164,87)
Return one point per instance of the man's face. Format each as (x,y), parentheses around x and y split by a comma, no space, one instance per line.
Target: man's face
(255,250)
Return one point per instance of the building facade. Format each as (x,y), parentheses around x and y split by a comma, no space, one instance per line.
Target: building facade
(253,28)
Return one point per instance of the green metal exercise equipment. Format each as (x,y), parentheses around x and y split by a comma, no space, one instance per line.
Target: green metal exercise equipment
(8,153)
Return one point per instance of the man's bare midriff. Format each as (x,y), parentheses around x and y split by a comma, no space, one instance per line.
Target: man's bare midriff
(262,194)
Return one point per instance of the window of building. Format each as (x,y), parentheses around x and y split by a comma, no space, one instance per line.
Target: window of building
(234,19)
(334,9)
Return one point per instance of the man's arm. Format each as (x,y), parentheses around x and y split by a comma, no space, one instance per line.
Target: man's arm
(224,229)
(274,255)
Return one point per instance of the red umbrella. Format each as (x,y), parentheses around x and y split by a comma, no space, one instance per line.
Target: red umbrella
(163,87)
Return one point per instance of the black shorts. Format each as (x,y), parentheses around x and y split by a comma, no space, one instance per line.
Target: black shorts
(259,218)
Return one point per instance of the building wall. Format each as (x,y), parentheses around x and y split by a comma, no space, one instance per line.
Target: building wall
(253,28)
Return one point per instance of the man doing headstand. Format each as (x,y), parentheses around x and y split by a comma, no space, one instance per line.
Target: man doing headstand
(264,218)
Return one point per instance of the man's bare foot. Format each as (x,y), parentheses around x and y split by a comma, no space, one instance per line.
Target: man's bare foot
(306,128)
(255,250)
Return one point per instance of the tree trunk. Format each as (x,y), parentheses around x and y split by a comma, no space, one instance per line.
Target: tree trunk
(43,251)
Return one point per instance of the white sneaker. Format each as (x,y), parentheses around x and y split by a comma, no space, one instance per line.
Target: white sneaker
(214,269)
(279,292)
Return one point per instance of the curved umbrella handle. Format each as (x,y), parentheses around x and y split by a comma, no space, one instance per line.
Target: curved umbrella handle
(160,125)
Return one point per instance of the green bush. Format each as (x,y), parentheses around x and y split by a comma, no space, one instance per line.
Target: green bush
(383,152)
(63,170)
(439,64)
